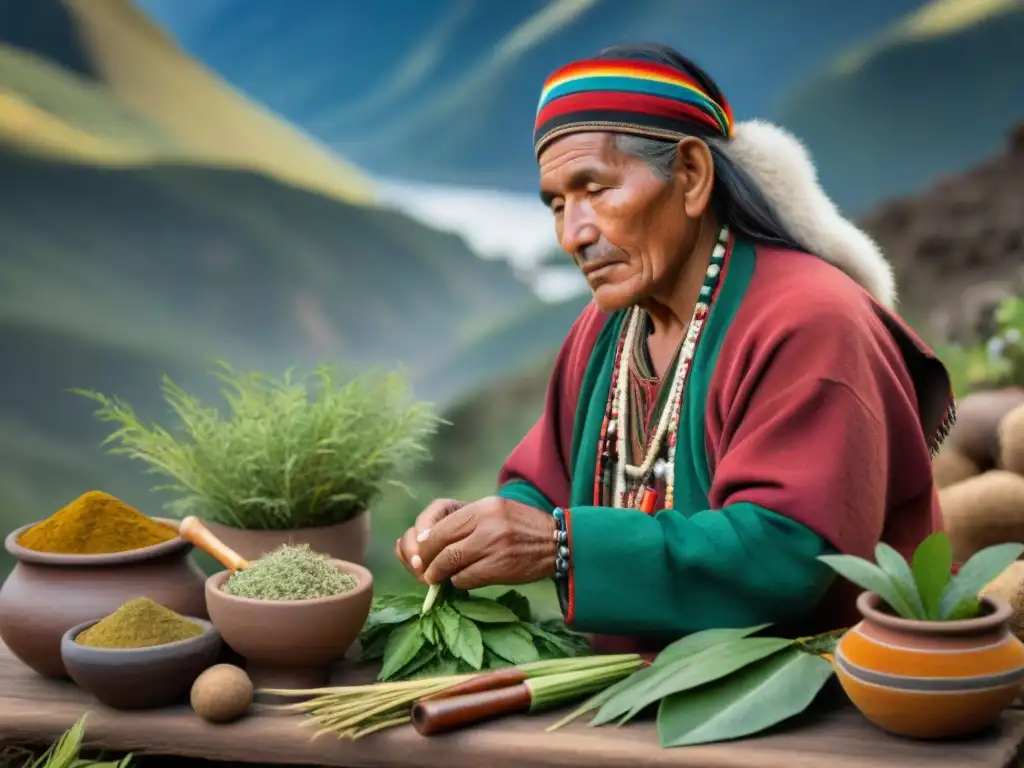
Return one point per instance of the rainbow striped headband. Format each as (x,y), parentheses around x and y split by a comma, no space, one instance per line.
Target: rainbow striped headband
(638,97)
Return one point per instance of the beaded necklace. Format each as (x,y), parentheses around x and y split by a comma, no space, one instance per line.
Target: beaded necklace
(629,481)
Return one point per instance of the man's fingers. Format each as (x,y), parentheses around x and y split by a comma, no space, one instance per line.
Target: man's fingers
(407,554)
(449,561)
(474,576)
(455,527)
(436,511)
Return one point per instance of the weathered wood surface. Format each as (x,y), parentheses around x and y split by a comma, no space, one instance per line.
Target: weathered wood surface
(34,710)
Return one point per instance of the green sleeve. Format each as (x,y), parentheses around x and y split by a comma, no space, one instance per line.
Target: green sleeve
(526,493)
(674,574)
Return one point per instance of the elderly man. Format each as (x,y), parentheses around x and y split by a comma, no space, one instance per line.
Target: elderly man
(737,400)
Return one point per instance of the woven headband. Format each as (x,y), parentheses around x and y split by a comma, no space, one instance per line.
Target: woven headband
(624,96)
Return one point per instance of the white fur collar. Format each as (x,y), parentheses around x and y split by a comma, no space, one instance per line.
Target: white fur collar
(783,170)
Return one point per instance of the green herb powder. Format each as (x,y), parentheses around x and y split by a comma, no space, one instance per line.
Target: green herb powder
(290,573)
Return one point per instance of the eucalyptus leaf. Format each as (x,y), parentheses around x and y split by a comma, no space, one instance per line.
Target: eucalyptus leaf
(634,684)
(869,576)
(689,672)
(751,700)
(509,644)
(402,647)
(470,645)
(699,641)
(978,571)
(896,568)
(517,603)
(485,611)
(932,566)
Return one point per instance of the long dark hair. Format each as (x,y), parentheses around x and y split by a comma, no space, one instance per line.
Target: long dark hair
(736,197)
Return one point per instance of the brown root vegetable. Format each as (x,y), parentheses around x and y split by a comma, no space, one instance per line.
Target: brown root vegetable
(222,693)
(1009,585)
(976,434)
(950,466)
(1011,441)
(982,511)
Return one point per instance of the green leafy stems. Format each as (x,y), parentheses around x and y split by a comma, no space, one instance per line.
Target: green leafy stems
(926,589)
(717,685)
(458,633)
(64,753)
(287,453)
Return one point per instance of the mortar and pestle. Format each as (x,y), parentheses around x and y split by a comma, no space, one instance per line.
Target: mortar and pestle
(289,644)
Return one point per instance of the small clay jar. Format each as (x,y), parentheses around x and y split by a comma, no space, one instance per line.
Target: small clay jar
(46,594)
(931,679)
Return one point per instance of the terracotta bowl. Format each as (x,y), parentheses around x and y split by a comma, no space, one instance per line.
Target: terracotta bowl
(346,541)
(291,643)
(140,678)
(45,595)
(931,679)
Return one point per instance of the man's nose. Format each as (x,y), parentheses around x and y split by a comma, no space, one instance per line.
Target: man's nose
(578,232)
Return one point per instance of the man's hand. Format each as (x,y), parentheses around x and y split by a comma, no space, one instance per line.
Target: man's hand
(491,541)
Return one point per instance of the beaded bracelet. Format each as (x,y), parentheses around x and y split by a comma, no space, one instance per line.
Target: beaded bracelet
(561,559)
(562,538)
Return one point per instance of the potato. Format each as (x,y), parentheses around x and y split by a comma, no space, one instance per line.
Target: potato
(1011,441)
(222,693)
(983,510)
(1009,585)
(950,466)
(976,434)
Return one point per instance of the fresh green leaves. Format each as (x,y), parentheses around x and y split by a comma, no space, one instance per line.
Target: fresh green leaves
(960,597)
(459,634)
(688,673)
(926,590)
(932,567)
(869,576)
(756,697)
(716,685)
(289,452)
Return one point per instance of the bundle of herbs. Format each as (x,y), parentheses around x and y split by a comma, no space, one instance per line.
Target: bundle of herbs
(454,632)
(290,453)
(357,711)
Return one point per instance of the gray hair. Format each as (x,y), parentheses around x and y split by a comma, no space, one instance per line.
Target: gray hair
(737,199)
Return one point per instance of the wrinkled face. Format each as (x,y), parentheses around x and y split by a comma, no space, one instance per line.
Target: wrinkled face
(628,229)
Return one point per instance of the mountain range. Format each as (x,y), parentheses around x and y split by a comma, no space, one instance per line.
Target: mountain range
(153,219)
(445,91)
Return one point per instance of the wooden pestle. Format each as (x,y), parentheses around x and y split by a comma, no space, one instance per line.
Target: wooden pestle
(191,529)
(446,714)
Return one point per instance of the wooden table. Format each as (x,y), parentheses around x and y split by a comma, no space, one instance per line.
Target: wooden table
(34,710)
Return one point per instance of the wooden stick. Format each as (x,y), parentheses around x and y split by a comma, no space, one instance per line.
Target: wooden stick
(191,529)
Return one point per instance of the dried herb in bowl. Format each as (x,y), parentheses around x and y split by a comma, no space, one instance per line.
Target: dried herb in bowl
(460,634)
(290,573)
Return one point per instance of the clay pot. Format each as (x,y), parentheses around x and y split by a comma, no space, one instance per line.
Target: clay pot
(291,643)
(346,541)
(140,678)
(931,679)
(46,594)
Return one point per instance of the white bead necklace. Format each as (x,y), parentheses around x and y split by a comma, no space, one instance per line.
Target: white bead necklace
(668,422)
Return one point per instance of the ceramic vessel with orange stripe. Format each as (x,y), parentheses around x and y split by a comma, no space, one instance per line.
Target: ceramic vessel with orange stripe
(931,679)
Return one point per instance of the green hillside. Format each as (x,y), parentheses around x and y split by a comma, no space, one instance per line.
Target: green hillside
(886,119)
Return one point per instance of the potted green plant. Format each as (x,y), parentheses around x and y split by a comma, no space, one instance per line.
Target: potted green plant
(933,656)
(291,460)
